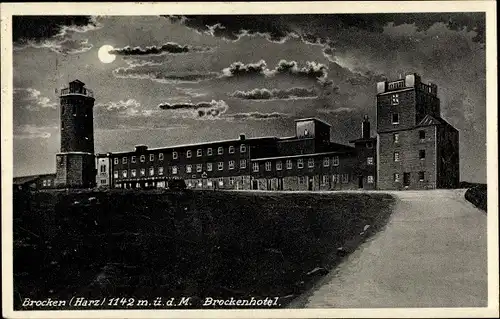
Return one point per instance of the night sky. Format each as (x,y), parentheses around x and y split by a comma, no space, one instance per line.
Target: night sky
(178,79)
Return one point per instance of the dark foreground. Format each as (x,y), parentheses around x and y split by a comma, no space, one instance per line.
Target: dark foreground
(145,245)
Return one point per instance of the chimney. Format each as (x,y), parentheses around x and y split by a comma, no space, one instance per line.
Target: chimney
(242,137)
(365,127)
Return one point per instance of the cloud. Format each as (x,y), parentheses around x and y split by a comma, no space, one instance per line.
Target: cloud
(201,110)
(192,92)
(241,69)
(65,46)
(256,116)
(29,131)
(128,108)
(167,48)
(276,94)
(32,99)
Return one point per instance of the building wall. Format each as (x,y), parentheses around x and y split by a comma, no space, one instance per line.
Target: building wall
(405,108)
(103,172)
(448,157)
(77,129)
(408,148)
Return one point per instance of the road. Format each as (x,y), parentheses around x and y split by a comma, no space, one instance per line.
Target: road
(432,253)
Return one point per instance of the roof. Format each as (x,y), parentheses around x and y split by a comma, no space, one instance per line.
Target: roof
(429,120)
(25,179)
(312,118)
(299,155)
(77,81)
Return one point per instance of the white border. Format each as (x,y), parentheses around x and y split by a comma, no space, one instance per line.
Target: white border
(9,9)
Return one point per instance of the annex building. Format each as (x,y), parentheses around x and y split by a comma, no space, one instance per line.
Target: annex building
(414,148)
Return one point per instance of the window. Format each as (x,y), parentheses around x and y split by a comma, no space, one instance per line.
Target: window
(199,168)
(395,138)
(288,164)
(209,167)
(336,178)
(369,145)
(189,168)
(300,163)
(188,153)
(209,183)
(175,155)
(133,173)
(268,166)
(132,159)
(395,99)
(209,151)
(243,163)
(143,172)
(124,160)
(103,181)
(243,148)
(221,181)
(255,167)
(103,168)
(151,171)
(302,180)
(231,180)
(336,161)
(370,179)
(421,135)
(310,162)
(396,177)
(174,170)
(325,180)
(151,157)
(279,165)
(115,174)
(369,160)
(396,156)
(326,161)
(421,154)
(395,118)
(44,182)
(231,165)
(160,170)
(220,150)
(345,178)
(199,152)
(143,158)
(231,149)
(160,157)
(116,161)
(220,166)
(124,173)
(306,132)
(421,176)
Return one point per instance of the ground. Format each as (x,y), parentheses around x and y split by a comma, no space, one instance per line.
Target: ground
(432,253)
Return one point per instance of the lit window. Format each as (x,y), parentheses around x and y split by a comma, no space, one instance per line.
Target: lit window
(396,138)
(336,161)
(421,176)
(220,150)
(200,183)
(231,180)
(160,157)
(189,168)
(370,179)
(243,148)
(268,166)
(116,160)
(209,183)
(115,174)
(209,151)
(345,178)
(396,156)
(231,149)
(231,164)
(220,166)
(395,99)
(306,132)
(279,165)
(160,170)
(395,118)
(421,154)
(103,168)
(151,171)
(289,164)
(209,167)
(143,172)
(336,178)
(301,180)
(396,177)
(188,153)
(143,158)
(151,157)
(124,173)
(221,181)
(132,159)
(369,160)
(325,180)
(124,160)
(199,168)
(255,167)
(175,155)
(174,170)
(310,162)
(300,163)
(44,182)
(133,173)
(243,163)
(103,181)
(326,161)
(199,152)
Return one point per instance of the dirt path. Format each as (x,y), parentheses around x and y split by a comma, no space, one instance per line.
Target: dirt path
(431,254)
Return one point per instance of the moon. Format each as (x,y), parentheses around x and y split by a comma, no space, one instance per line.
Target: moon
(104,54)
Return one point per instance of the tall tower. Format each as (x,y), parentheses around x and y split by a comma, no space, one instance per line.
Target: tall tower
(75,164)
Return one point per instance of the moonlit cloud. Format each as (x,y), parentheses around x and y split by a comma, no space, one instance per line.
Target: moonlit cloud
(201,110)
(276,94)
(31,99)
(167,48)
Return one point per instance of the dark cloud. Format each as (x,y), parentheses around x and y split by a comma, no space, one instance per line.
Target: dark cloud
(256,116)
(167,48)
(201,110)
(149,72)
(275,94)
(32,100)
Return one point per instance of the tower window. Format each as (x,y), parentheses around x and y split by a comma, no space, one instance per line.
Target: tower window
(396,177)
(421,176)
(369,160)
(421,154)
(395,118)
(395,99)
(421,135)
(396,138)
(396,156)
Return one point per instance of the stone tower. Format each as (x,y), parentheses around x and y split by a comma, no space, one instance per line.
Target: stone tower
(75,164)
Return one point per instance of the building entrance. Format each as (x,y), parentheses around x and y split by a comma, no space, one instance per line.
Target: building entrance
(406,179)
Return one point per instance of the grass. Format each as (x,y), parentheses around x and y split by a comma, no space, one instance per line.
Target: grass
(199,244)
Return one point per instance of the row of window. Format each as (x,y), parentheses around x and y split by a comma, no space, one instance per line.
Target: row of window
(421,136)
(300,163)
(189,154)
(421,155)
(421,176)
